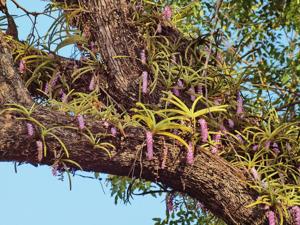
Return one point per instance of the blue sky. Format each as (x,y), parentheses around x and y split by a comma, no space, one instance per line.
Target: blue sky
(34,197)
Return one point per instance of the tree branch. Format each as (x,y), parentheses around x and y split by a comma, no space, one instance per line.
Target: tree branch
(210,179)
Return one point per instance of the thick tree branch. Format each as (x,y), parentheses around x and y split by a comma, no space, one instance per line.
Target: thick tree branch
(210,179)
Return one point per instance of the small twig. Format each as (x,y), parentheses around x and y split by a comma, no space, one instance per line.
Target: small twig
(288,105)
(25,10)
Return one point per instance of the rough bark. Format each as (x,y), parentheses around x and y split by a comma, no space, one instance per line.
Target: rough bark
(115,37)
(210,179)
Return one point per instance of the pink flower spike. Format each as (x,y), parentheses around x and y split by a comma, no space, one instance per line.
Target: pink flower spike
(255,147)
(39,146)
(143,56)
(93,47)
(240,138)
(167,13)
(149,141)
(113,131)
(80,122)
(54,79)
(54,169)
(275,148)
(230,123)
(199,89)
(217,140)
(271,217)
(223,129)
(92,84)
(105,124)
(192,90)
(64,97)
(180,83)
(255,173)
(29,129)
(295,211)
(267,144)
(190,154)
(204,130)
(240,107)
(22,66)
(46,90)
(176,91)
(145,82)
(214,150)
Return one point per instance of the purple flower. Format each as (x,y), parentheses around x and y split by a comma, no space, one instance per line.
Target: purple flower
(64,97)
(240,138)
(54,169)
(176,91)
(106,124)
(143,56)
(255,147)
(54,79)
(217,140)
(22,66)
(192,91)
(200,205)
(170,204)
(267,144)
(149,141)
(29,129)
(240,107)
(93,47)
(167,13)
(46,89)
(214,150)
(295,211)
(177,88)
(180,83)
(80,121)
(92,84)
(271,217)
(199,89)
(204,130)
(39,146)
(275,148)
(113,131)
(254,173)
(230,123)
(223,129)
(82,58)
(145,81)
(190,154)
